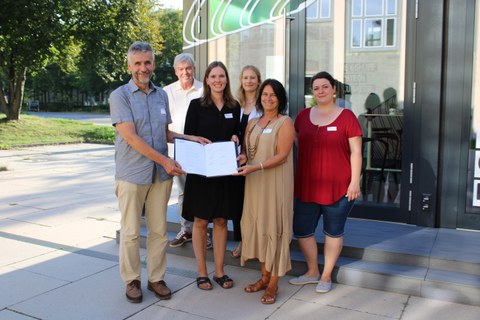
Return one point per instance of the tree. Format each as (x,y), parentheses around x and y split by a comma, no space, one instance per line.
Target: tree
(91,36)
(28,32)
(171,31)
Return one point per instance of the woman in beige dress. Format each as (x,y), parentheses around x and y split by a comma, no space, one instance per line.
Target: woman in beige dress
(268,203)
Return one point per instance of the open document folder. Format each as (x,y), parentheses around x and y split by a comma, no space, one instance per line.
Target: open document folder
(210,160)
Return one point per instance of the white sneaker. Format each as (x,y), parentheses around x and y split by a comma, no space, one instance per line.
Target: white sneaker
(181,238)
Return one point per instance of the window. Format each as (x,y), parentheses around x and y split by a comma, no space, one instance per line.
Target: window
(319,9)
(373,24)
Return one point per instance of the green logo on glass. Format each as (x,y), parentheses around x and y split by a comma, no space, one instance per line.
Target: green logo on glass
(230,16)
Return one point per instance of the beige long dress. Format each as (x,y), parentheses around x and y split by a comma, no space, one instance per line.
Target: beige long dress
(268,205)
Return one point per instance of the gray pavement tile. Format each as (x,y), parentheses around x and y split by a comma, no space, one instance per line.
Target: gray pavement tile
(20,285)
(457,245)
(106,245)
(100,296)
(230,304)
(77,232)
(12,210)
(75,212)
(448,286)
(421,308)
(386,268)
(384,282)
(53,200)
(372,302)
(6,314)
(392,237)
(63,265)
(454,277)
(313,311)
(157,312)
(14,251)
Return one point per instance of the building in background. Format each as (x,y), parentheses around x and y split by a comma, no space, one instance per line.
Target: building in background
(406,68)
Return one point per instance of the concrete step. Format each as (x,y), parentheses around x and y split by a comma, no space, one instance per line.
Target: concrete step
(441,264)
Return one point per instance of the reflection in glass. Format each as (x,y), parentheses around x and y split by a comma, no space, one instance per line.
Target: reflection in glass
(373,7)
(325,9)
(390,40)
(356,8)
(356,33)
(319,9)
(373,33)
(312,10)
(391,7)
(473,173)
(373,83)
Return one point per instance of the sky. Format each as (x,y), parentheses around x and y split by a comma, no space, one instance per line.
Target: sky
(176,4)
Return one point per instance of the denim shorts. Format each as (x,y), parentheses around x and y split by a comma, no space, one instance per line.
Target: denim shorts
(307,214)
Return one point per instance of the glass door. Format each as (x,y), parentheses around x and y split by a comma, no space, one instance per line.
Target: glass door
(362,44)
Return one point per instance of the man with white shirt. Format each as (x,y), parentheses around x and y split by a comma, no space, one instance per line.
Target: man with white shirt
(180,93)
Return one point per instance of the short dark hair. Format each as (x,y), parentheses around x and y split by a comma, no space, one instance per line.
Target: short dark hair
(280,92)
(324,75)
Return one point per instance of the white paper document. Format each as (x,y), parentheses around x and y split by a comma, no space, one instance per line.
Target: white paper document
(210,160)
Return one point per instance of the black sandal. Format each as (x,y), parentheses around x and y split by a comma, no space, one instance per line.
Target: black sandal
(224,280)
(204,280)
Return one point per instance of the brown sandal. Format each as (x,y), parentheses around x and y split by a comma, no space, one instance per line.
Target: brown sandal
(270,296)
(257,286)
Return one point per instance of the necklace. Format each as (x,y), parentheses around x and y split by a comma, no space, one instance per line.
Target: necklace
(252,149)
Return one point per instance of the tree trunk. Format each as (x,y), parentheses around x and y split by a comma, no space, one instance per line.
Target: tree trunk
(4,102)
(13,106)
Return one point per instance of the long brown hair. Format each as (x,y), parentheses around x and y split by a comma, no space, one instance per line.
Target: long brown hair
(206,99)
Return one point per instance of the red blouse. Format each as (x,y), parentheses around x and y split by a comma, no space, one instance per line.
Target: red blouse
(323,165)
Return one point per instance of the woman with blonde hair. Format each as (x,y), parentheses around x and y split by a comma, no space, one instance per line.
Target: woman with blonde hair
(247,95)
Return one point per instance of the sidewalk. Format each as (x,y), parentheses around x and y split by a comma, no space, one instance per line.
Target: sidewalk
(59,258)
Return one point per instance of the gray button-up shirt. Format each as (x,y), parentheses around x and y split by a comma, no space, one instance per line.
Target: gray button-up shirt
(150,114)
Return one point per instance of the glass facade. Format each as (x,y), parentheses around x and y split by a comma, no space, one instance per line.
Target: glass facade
(362,45)
(243,33)
(381,52)
(473,176)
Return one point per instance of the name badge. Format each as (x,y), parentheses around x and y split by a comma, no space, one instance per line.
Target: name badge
(162,111)
(331,128)
(268,130)
(228,115)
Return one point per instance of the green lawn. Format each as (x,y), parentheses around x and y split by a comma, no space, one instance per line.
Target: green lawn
(32,130)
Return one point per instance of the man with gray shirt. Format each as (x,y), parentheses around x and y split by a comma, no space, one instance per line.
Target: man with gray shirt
(180,93)
(143,171)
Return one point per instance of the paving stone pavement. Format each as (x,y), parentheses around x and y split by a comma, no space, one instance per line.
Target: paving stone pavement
(59,258)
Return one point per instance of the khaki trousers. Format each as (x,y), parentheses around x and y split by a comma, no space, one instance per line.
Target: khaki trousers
(131,200)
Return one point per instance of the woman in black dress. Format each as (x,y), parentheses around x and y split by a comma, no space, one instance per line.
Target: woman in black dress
(214,116)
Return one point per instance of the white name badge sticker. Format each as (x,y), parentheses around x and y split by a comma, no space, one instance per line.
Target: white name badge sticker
(228,116)
(269,130)
(331,128)
(162,111)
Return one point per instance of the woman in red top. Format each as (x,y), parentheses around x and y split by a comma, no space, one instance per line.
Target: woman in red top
(327,181)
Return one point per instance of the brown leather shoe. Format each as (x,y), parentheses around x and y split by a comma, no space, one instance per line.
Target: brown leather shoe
(134,291)
(160,289)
